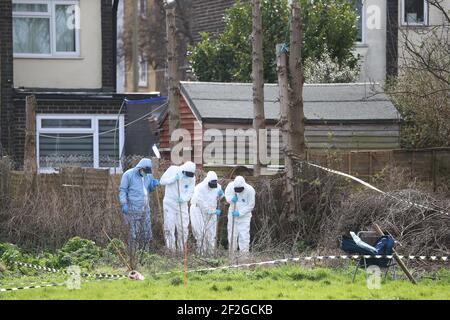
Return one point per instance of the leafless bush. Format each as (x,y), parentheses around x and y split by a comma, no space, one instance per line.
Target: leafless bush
(47,218)
(327,206)
(316,193)
(419,231)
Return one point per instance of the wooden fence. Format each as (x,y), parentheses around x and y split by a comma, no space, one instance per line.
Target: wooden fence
(431,165)
(425,164)
(80,180)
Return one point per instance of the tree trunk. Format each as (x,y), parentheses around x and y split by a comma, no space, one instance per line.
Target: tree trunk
(259,121)
(296,115)
(135,47)
(292,122)
(30,162)
(173,73)
(283,83)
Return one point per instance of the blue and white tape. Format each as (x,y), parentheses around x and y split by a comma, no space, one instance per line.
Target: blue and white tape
(316,258)
(86,275)
(368,185)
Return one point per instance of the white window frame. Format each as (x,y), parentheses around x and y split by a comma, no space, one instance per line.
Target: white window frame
(94,130)
(50,14)
(143,83)
(425,15)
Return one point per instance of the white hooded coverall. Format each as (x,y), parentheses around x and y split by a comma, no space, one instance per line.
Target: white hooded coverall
(204,204)
(182,189)
(245,205)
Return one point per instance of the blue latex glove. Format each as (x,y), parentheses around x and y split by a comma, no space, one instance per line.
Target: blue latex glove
(220,193)
(234,199)
(155,183)
(236,214)
(179,200)
(218,212)
(125,209)
(178,177)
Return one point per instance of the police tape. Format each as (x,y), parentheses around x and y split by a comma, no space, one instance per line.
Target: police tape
(368,185)
(236,266)
(36,285)
(314,258)
(111,277)
(47,285)
(86,275)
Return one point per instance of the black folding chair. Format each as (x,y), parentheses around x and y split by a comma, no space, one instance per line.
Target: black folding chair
(371,238)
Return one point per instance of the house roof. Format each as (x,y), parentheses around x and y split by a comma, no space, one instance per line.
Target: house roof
(213,102)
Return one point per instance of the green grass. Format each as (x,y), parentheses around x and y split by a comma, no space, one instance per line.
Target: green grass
(287,282)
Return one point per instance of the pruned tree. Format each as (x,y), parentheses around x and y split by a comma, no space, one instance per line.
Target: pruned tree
(173,72)
(259,120)
(292,120)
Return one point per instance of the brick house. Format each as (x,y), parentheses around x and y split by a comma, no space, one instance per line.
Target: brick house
(64,53)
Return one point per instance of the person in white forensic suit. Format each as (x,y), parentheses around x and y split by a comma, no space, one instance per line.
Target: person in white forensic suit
(204,212)
(179,182)
(241,197)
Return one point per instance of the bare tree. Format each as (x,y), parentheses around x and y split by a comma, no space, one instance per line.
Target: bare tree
(173,74)
(426,51)
(153,38)
(291,79)
(259,121)
(421,91)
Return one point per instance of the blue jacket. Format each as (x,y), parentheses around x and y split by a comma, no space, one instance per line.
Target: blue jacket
(131,190)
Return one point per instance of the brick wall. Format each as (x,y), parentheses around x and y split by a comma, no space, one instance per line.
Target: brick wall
(108,47)
(207,16)
(6,74)
(391,38)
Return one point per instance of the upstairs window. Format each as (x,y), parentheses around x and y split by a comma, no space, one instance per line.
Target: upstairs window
(360,21)
(45,28)
(414,12)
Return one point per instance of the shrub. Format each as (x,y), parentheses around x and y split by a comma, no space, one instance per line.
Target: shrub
(81,252)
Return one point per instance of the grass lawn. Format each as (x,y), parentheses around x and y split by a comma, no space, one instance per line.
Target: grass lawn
(286,282)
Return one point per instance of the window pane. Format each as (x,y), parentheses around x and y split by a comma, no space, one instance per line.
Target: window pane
(359,12)
(108,155)
(56,152)
(142,7)
(65,28)
(143,68)
(29,7)
(31,35)
(414,11)
(66,123)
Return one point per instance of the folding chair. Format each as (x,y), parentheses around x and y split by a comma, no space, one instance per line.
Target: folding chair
(371,238)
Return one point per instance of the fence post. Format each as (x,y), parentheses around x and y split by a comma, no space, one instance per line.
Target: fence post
(350,162)
(30,164)
(433,170)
